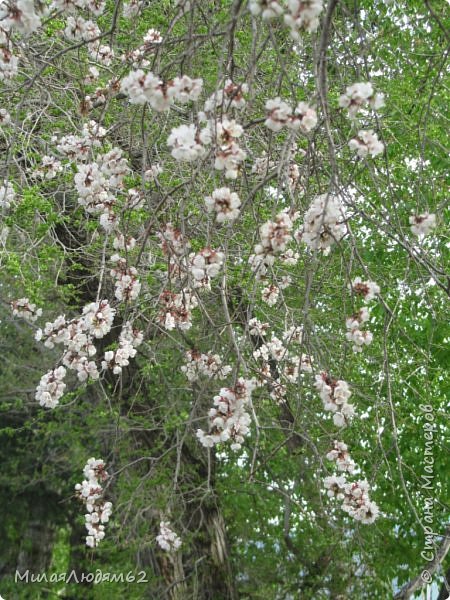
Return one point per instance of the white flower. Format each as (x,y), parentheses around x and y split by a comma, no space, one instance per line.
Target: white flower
(367,289)
(25,309)
(51,388)
(167,539)
(422,224)
(7,195)
(323,222)
(224,203)
(358,95)
(303,14)
(268,9)
(188,142)
(90,492)
(366,143)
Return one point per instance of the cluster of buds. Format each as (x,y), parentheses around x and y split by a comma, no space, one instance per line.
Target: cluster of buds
(229,419)
(270,294)
(300,15)
(7,195)
(25,309)
(289,363)
(48,169)
(280,114)
(303,15)
(355,498)
(335,394)
(77,336)
(90,492)
(138,57)
(268,9)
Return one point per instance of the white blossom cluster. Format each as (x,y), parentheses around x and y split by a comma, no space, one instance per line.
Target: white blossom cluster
(341,456)
(139,56)
(204,266)
(209,365)
(96,7)
(9,63)
(132,8)
(274,235)
(49,168)
(129,340)
(303,14)
(128,285)
(289,363)
(268,9)
(257,328)
(7,195)
(229,154)
(224,203)
(174,246)
(367,289)
(299,15)
(355,333)
(229,419)
(279,114)
(366,143)
(51,388)
(355,498)
(270,294)
(98,182)
(334,394)
(189,142)
(324,223)
(360,95)
(230,96)
(22,307)
(90,492)
(78,147)
(142,88)
(168,539)
(77,336)
(19,15)
(176,309)
(422,224)
(5,117)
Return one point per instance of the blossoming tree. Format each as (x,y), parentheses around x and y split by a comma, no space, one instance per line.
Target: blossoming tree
(223,250)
